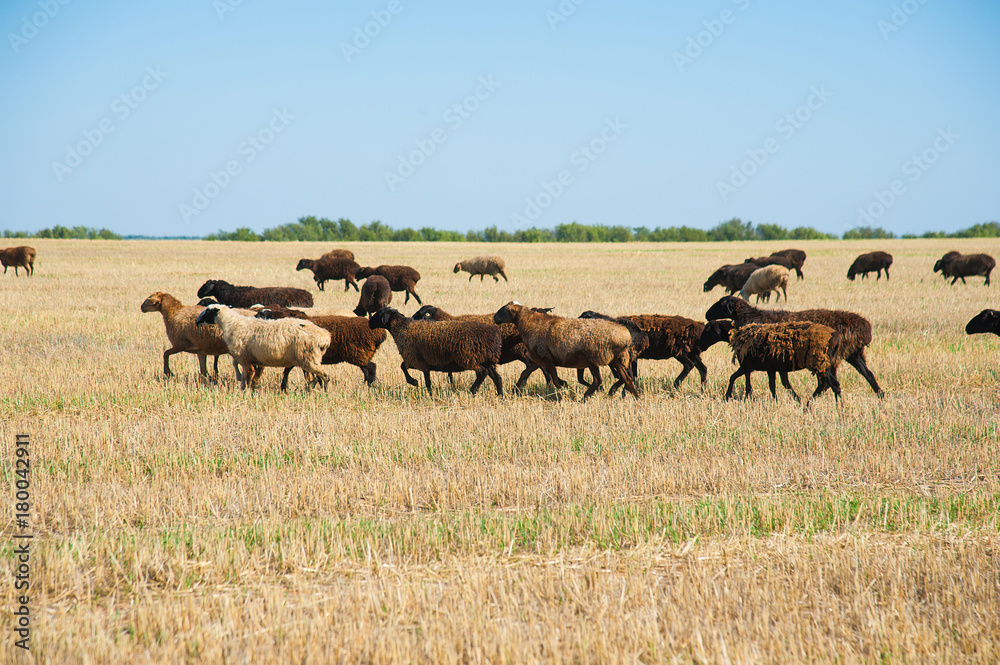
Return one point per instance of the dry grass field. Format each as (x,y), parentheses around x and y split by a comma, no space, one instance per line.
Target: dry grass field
(182,520)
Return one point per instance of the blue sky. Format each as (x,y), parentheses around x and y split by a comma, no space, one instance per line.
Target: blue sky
(187,117)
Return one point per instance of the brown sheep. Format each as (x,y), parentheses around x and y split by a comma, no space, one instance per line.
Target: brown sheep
(375,294)
(19,257)
(732,277)
(772,260)
(855,330)
(576,343)
(482,266)
(959,266)
(182,333)
(512,348)
(670,337)
(339,254)
(797,258)
(780,348)
(328,268)
(443,346)
(401,278)
(871,262)
(351,340)
(247,296)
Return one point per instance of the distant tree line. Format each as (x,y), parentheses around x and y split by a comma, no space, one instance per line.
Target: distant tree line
(65,233)
(343,230)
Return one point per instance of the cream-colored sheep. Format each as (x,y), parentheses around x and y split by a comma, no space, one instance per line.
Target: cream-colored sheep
(764,280)
(482,266)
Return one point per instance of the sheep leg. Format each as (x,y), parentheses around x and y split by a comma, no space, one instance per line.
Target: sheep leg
(419,301)
(987,276)
(177,349)
(595,386)
(203,364)
(409,379)
(783,290)
(321,284)
(887,274)
(369,373)
(451,379)
(623,374)
(580,377)
(470,277)
(216,366)
(427,380)
(493,374)
(857,360)
(481,276)
(702,370)
(529,369)
(495,278)
(771,376)
(788,386)
(480,377)
(286,374)
(687,366)
(504,275)
(732,382)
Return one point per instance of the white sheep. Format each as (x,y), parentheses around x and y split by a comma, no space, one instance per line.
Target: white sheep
(764,280)
(482,266)
(256,343)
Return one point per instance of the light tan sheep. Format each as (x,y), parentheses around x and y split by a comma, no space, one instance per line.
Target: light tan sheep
(576,343)
(764,280)
(482,266)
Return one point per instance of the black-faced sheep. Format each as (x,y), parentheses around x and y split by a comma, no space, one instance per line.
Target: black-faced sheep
(987,321)
(247,296)
(256,344)
(444,346)
(797,258)
(351,340)
(19,257)
(871,262)
(576,343)
(640,342)
(183,334)
(339,254)
(780,348)
(764,280)
(375,294)
(670,337)
(855,330)
(328,268)
(959,266)
(732,277)
(482,266)
(512,347)
(401,278)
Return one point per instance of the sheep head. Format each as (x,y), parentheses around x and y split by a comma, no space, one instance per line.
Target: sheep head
(208,316)
(714,332)
(154,303)
(723,308)
(383,318)
(987,321)
(305,264)
(205,302)
(426,313)
(208,288)
(364,273)
(590,314)
(458,266)
(508,313)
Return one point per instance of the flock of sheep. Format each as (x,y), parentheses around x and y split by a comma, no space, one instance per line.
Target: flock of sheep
(279,327)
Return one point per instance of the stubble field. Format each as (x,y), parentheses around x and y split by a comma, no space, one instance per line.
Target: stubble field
(182,520)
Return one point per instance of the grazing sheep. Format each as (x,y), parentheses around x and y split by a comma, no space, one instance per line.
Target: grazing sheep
(733,277)
(401,278)
(339,254)
(443,346)
(19,257)
(772,260)
(482,266)
(328,268)
(577,343)
(375,294)
(640,342)
(855,330)
(183,334)
(987,321)
(871,262)
(780,348)
(351,340)
(669,337)
(247,296)
(256,344)
(764,280)
(797,258)
(959,266)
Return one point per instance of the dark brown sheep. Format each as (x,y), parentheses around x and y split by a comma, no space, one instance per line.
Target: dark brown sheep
(780,348)
(512,348)
(670,337)
(871,262)
(855,330)
(987,321)
(247,296)
(959,266)
(732,277)
(772,260)
(797,258)
(444,346)
(328,268)
(339,254)
(375,294)
(19,257)
(351,340)
(401,278)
